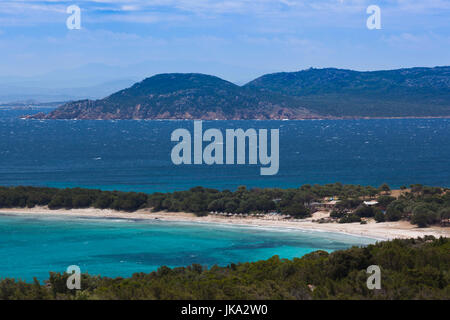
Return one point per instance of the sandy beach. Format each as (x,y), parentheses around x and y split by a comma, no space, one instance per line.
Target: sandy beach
(381,231)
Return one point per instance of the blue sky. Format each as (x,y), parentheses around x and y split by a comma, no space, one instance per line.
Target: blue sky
(235,39)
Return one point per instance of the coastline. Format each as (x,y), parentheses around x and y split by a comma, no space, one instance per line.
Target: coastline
(378,231)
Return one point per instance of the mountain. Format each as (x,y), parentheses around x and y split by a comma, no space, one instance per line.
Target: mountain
(312,93)
(184,96)
(347,93)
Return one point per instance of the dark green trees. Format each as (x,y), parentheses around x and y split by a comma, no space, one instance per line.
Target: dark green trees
(385,188)
(422,206)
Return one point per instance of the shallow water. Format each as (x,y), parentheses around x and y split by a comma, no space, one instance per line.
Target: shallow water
(33,246)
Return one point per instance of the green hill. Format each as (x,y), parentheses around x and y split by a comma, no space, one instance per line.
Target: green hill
(347,93)
(184,96)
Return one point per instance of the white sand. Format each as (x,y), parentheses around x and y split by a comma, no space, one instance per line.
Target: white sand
(385,230)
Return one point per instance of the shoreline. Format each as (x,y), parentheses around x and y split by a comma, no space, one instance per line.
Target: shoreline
(377,231)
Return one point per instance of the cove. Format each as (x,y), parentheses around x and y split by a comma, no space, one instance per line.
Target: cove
(31,246)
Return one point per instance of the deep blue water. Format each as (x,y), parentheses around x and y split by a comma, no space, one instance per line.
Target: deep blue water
(135,155)
(31,246)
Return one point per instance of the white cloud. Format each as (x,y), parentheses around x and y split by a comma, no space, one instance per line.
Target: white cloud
(125,9)
(423,40)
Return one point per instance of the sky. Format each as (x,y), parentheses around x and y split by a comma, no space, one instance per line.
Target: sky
(237,40)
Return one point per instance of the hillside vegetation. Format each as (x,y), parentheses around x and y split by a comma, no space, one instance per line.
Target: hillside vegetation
(312,93)
(184,96)
(347,93)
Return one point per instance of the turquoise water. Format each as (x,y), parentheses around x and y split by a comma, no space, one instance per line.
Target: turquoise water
(33,246)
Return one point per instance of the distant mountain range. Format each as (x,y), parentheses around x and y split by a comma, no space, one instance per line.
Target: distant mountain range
(307,94)
(19,93)
(98,80)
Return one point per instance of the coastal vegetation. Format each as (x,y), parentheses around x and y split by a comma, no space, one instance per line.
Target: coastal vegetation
(421,205)
(410,269)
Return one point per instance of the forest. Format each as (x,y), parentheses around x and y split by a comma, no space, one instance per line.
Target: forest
(421,205)
(410,269)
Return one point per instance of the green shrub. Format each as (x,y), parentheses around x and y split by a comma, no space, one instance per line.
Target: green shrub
(350,218)
(379,217)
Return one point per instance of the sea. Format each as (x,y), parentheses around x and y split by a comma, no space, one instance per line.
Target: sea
(32,246)
(132,155)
